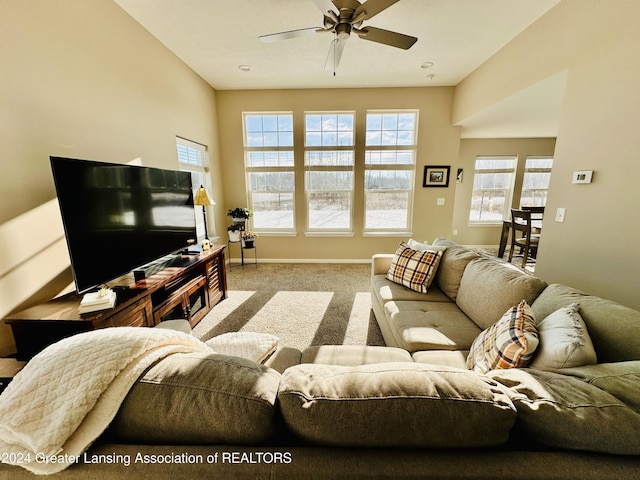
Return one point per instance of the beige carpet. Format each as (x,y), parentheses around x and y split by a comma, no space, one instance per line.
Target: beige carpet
(302,304)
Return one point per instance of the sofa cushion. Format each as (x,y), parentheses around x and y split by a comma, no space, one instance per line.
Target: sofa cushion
(610,324)
(414,269)
(449,358)
(566,412)
(564,341)
(488,288)
(386,290)
(424,246)
(430,326)
(200,399)
(353,355)
(250,345)
(508,343)
(394,405)
(620,379)
(454,261)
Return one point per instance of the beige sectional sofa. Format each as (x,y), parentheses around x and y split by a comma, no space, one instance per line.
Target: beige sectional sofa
(408,410)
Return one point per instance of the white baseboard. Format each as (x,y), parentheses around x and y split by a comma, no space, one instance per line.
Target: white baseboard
(249,260)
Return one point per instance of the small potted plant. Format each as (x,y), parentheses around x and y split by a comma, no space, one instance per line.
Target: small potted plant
(234,232)
(248,237)
(239,214)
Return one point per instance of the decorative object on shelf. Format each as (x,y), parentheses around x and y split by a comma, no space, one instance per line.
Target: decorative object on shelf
(234,232)
(203,198)
(436,176)
(248,237)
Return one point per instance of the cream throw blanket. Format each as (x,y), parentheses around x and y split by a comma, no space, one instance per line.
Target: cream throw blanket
(67,395)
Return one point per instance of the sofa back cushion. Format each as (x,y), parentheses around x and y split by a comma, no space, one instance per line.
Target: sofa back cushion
(488,288)
(454,260)
(200,399)
(614,329)
(394,405)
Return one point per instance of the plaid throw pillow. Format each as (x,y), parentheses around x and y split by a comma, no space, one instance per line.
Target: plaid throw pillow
(508,343)
(414,269)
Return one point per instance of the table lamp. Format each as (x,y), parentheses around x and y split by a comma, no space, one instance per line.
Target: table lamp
(203,198)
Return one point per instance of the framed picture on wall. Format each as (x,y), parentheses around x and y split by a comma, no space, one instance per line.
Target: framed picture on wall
(436,176)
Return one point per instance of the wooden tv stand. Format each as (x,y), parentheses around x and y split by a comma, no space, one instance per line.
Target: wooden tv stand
(188,289)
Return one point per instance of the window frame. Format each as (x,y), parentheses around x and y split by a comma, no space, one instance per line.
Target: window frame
(193,157)
(310,168)
(508,197)
(249,170)
(529,170)
(398,167)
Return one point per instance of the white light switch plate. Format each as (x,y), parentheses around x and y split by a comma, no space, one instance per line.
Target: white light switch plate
(440,201)
(560,214)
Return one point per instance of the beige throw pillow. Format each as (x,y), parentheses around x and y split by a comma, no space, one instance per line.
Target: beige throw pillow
(564,341)
(508,343)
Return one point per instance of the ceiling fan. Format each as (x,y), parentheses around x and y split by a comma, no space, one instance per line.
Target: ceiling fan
(349,18)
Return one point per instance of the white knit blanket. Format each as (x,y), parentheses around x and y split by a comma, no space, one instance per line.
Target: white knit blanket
(67,395)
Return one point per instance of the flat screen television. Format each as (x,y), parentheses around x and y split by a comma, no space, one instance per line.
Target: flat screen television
(120,217)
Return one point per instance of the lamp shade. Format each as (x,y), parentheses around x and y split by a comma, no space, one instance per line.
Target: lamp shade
(202,197)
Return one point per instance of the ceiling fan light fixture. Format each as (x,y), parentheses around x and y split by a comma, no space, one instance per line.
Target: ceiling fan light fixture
(343,30)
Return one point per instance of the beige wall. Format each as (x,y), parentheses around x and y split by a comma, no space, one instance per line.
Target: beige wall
(438,145)
(84,80)
(595,249)
(469,150)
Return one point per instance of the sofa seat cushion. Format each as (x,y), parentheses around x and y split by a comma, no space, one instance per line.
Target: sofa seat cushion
(430,326)
(611,325)
(565,412)
(386,291)
(200,398)
(488,288)
(353,355)
(394,405)
(449,358)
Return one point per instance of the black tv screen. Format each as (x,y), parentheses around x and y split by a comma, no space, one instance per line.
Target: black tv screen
(120,217)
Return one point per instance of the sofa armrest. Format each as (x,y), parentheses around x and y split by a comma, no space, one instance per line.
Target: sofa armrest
(380,263)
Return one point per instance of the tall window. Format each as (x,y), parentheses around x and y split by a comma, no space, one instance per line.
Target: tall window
(269,165)
(193,157)
(535,184)
(493,182)
(390,157)
(329,163)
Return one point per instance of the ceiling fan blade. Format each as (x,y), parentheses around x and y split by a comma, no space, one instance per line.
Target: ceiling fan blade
(335,53)
(302,32)
(372,7)
(325,6)
(386,37)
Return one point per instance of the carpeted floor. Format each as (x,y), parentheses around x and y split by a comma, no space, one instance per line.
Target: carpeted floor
(302,304)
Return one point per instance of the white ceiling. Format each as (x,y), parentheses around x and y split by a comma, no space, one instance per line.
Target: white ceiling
(215,37)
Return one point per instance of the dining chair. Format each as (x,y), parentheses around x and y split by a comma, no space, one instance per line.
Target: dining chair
(521,235)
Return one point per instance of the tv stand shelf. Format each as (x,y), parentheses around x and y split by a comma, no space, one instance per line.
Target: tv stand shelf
(188,289)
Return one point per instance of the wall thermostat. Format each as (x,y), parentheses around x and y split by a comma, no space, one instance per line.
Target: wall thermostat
(582,176)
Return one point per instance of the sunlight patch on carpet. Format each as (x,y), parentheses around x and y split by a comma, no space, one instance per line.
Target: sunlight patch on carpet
(358,326)
(300,312)
(235,299)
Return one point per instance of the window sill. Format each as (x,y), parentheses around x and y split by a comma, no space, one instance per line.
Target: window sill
(329,234)
(387,234)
